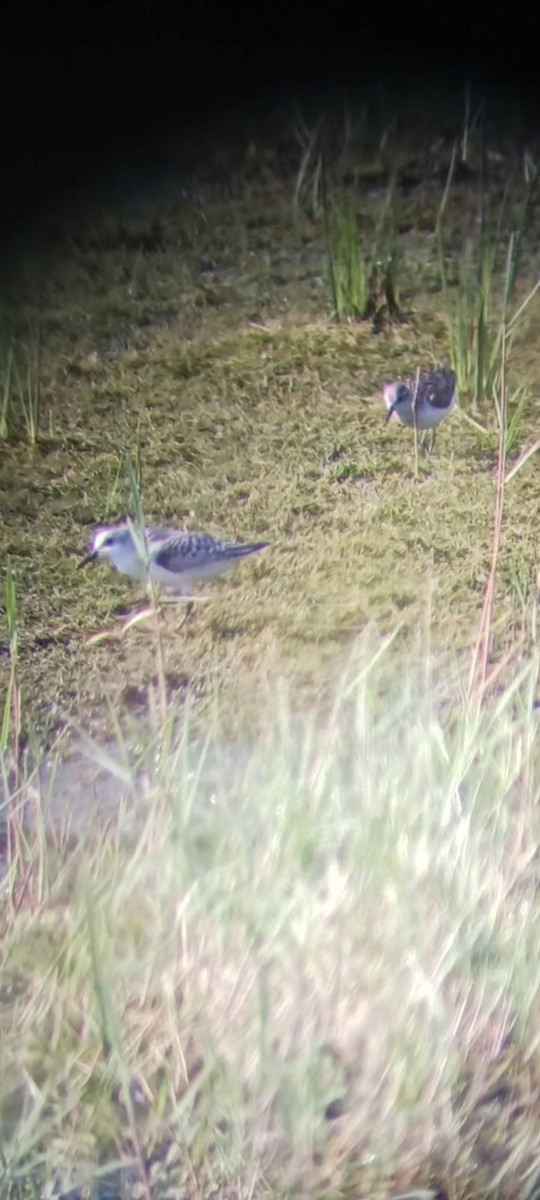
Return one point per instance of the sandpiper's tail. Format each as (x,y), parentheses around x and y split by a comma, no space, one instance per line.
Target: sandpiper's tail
(239,550)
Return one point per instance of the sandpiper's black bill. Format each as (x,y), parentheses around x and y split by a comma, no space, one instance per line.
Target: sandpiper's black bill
(87,558)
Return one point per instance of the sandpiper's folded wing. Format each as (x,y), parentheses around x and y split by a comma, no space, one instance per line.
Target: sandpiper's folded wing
(183,551)
(439,387)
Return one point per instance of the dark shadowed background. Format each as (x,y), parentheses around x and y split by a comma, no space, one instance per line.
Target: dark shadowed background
(88,87)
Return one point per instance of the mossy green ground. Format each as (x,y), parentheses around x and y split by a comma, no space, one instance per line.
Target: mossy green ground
(189,327)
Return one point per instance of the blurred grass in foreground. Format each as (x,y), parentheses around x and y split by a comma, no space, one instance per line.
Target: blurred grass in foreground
(308,964)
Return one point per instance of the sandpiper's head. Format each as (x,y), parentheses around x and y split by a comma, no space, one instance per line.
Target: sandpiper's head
(394,394)
(107,542)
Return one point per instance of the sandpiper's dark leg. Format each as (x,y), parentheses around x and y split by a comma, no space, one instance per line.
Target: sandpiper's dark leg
(427,441)
(190,605)
(189,609)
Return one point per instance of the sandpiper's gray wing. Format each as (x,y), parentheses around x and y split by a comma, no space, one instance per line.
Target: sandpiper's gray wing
(183,551)
(178,552)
